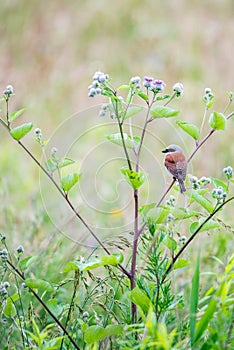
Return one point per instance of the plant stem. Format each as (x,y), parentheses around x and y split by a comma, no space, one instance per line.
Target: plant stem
(44,305)
(143,134)
(134,251)
(174,259)
(203,120)
(124,144)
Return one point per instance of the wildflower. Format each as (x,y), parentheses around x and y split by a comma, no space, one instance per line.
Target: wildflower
(3,292)
(38,134)
(228,171)
(147,81)
(178,88)
(204,181)
(207,91)
(100,77)
(85,315)
(104,108)
(20,249)
(183,239)
(4,254)
(171,201)
(157,86)
(219,194)
(92,92)
(208,97)
(194,181)
(54,150)
(135,80)
(170,218)
(6,285)
(8,92)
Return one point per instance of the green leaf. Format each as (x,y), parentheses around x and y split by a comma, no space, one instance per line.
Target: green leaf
(132,110)
(135,179)
(108,92)
(113,329)
(90,264)
(16,114)
(9,309)
(93,263)
(138,297)
(194,299)
(51,165)
(26,262)
(210,225)
(129,142)
(217,121)
(218,183)
(158,214)
(54,307)
(65,162)
(39,284)
(204,321)
(96,333)
(93,334)
(15,297)
(170,243)
(69,181)
(142,95)
(190,129)
(71,266)
(144,209)
(184,213)
(203,201)
(124,87)
(181,263)
(193,227)
(163,112)
(20,131)
(113,259)
(162,98)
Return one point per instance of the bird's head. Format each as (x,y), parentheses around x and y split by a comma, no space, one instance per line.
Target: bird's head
(173,149)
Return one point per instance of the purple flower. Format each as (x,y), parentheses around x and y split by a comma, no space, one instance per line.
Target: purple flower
(147,81)
(157,86)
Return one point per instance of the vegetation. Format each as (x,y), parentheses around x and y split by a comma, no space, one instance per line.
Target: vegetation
(121,300)
(98,250)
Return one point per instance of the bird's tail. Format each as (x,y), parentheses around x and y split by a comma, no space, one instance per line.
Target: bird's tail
(182,187)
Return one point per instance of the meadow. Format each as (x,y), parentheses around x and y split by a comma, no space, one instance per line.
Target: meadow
(94,256)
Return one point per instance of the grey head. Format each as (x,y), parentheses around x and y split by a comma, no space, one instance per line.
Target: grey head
(173,149)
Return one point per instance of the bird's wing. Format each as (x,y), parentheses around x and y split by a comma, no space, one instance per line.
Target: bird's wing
(176,164)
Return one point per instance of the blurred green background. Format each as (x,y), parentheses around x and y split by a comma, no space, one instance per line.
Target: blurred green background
(49,51)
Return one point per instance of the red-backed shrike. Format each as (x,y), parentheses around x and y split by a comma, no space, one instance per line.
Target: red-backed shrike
(176,163)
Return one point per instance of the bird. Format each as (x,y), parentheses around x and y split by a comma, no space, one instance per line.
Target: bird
(176,163)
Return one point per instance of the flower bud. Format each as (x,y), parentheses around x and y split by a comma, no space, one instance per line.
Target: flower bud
(20,249)
(178,88)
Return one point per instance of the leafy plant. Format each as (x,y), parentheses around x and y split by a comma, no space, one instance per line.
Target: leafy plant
(118,300)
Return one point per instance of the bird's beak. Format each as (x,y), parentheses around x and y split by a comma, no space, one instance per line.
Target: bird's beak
(165,151)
